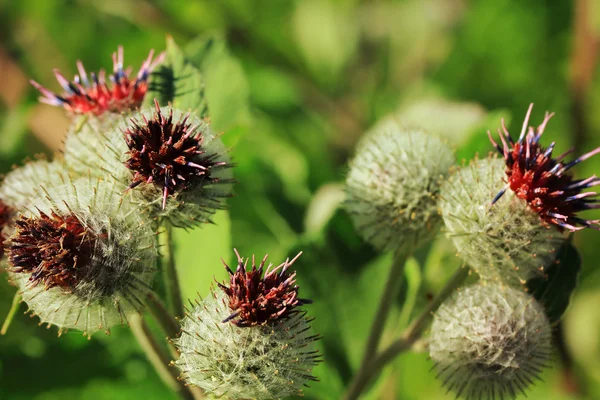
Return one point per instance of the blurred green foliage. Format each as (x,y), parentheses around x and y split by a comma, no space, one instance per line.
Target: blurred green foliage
(292,85)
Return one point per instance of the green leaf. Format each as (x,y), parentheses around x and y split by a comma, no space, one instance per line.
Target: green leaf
(198,255)
(555,289)
(227,89)
(178,82)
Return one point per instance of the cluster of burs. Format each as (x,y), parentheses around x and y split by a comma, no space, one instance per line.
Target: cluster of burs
(506,216)
(79,236)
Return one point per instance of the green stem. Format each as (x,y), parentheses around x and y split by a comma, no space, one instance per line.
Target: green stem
(407,339)
(11,313)
(392,285)
(159,358)
(165,320)
(169,270)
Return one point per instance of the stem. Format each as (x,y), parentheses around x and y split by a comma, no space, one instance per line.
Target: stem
(165,320)
(159,358)
(385,304)
(170,272)
(11,313)
(406,341)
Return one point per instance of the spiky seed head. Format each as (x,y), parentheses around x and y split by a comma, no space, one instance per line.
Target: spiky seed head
(173,163)
(93,95)
(256,299)
(82,256)
(393,183)
(490,342)
(505,242)
(270,361)
(543,182)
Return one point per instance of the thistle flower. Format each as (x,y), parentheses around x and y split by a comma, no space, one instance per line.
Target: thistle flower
(82,256)
(489,341)
(256,299)
(173,162)
(545,183)
(507,242)
(268,361)
(94,95)
(393,183)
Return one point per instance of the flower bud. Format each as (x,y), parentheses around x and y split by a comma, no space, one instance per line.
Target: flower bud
(505,242)
(173,162)
(489,341)
(393,183)
(82,256)
(249,340)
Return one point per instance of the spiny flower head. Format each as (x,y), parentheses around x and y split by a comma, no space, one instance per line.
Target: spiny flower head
(393,183)
(174,165)
(168,153)
(257,299)
(260,362)
(545,183)
(5,216)
(507,242)
(490,341)
(94,95)
(54,249)
(82,256)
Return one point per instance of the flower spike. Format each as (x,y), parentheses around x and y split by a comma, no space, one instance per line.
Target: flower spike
(94,95)
(544,182)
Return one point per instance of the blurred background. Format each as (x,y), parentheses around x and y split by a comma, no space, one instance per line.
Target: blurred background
(293,84)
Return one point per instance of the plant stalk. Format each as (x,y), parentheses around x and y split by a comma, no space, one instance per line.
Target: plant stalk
(169,270)
(406,340)
(159,359)
(394,281)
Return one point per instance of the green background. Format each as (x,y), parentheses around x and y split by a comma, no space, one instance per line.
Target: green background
(293,84)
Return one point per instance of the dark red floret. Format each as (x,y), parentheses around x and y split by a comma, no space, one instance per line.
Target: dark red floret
(54,249)
(546,183)
(256,299)
(5,216)
(169,154)
(94,95)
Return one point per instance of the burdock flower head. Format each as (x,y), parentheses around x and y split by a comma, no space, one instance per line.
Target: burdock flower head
(172,161)
(393,183)
(230,349)
(256,299)
(506,242)
(546,183)
(94,95)
(82,256)
(490,341)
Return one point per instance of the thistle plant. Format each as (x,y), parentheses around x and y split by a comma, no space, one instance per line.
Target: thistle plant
(249,339)
(81,236)
(89,239)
